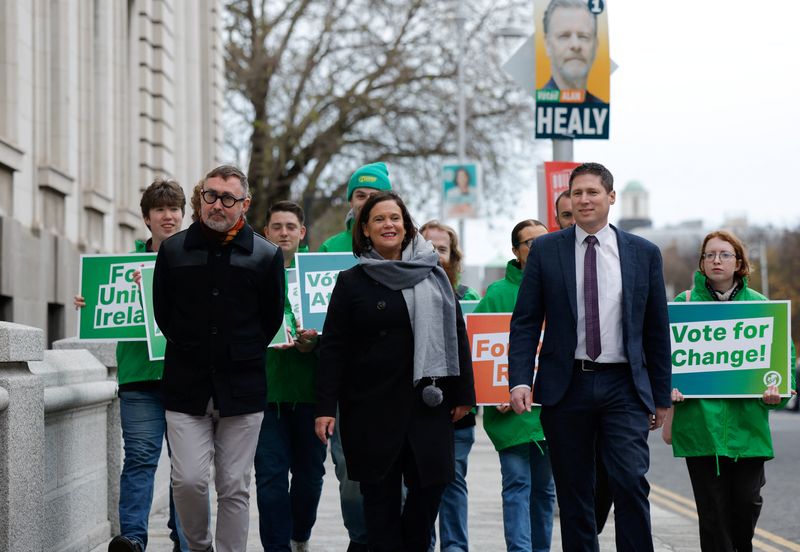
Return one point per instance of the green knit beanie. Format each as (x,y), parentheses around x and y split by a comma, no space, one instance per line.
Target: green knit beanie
(374,175)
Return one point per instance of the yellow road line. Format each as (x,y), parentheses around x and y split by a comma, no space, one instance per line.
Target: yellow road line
(676,503)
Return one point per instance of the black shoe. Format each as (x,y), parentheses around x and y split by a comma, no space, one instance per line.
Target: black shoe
(357,547)
(124,544)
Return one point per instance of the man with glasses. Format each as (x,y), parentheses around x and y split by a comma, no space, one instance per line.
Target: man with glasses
(218,299)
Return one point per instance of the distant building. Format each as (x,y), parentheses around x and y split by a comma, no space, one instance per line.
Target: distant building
(96,99)
(635,200)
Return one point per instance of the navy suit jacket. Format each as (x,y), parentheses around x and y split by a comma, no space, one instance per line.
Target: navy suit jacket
(549,291)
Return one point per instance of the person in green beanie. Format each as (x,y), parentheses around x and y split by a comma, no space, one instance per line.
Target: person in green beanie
(366,181)
(725,441)
(527,478)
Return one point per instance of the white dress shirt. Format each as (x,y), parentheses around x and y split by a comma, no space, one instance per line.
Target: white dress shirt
(609,292)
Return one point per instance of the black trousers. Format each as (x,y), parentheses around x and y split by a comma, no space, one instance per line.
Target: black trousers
(728,504)
(394,526)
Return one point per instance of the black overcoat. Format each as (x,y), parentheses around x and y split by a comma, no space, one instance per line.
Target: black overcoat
(366,366)
(218,307)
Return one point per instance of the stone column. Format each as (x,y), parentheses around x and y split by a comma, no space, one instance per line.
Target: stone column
(21,439)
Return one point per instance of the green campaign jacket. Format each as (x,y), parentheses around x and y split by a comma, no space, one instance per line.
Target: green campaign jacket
(339,243)
(290,373)
(133,361)
(509,429)
(735,428)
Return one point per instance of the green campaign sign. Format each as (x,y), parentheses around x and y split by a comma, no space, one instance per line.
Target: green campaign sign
(113,301)
(284,335)
(156,342)
(730,349)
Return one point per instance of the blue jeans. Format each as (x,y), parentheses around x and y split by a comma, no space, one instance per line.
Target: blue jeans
(287,444)
(352,503)
(528,497)
(453,508)
(141,415)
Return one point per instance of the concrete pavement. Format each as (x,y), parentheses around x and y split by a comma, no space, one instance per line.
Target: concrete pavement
(674,529)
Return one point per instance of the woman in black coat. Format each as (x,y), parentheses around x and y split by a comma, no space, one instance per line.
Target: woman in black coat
(399,384)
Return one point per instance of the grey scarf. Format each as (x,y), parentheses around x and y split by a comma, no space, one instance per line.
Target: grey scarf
(430,302)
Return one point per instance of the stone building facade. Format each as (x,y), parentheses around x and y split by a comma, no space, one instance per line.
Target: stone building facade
(96,99)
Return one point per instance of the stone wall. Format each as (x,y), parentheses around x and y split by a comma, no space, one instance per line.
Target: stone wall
(60,449)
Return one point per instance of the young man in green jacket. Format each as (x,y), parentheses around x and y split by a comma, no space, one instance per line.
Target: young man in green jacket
(527,478)
(141,410)
(287,443)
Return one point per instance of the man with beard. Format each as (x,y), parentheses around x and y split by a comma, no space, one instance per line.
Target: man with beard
(218,295)
(570,37)
(453,508)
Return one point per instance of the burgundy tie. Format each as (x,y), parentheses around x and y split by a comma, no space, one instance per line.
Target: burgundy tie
(590,301)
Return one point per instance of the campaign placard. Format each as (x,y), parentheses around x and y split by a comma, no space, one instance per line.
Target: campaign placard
(556,177)
(113,300)
(730,349)
(293,293)
(573,70)
(468,306)
(284,335)
(460,190)
(156,342)
(316,276)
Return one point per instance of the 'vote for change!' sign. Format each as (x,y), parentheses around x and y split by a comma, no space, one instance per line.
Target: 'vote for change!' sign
(113,303)
(316,276)
(730,349)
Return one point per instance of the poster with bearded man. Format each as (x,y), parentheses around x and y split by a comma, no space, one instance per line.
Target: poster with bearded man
(573,69)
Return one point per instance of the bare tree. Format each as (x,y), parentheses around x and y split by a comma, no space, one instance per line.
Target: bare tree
(326,85)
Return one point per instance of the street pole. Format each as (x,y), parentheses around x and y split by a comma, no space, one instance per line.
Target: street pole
(462,107)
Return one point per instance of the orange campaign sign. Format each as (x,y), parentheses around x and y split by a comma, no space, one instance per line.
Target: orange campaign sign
(488,338)
(556,177)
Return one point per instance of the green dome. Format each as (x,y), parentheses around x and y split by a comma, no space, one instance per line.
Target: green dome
(634,186)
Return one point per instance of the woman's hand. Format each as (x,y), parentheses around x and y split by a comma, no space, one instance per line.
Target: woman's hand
(459,412)
(137,277)
(79,302)
(503,408)
(771,395)
(677,396)
(323,427)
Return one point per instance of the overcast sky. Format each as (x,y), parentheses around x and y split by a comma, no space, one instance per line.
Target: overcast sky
(705,111)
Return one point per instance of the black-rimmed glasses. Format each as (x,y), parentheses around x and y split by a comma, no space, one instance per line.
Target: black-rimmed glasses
(211,197)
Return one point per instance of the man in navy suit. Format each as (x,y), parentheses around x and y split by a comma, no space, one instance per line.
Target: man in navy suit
(604,366)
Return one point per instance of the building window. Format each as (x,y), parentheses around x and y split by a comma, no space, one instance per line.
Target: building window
(6,304)
(95,234)
(6,191)
(52,210)
(55,323)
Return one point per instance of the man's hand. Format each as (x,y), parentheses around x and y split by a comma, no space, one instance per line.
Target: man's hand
(771,395)
(306,340)
(677,396)
(657,419)
(323,427)
(503,408)
(521,399)
(137,277)
(459,412)
(79,302)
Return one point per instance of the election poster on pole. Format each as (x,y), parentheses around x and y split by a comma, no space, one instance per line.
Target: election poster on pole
(156,342)
(316,276)
(556,176)
(113,304)
(730,349)
(460,190)
(573,69)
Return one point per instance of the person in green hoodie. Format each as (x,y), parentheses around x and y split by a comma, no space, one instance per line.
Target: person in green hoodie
(287,443)
(366,181)
(725,441)
(527,479)
(141,410)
